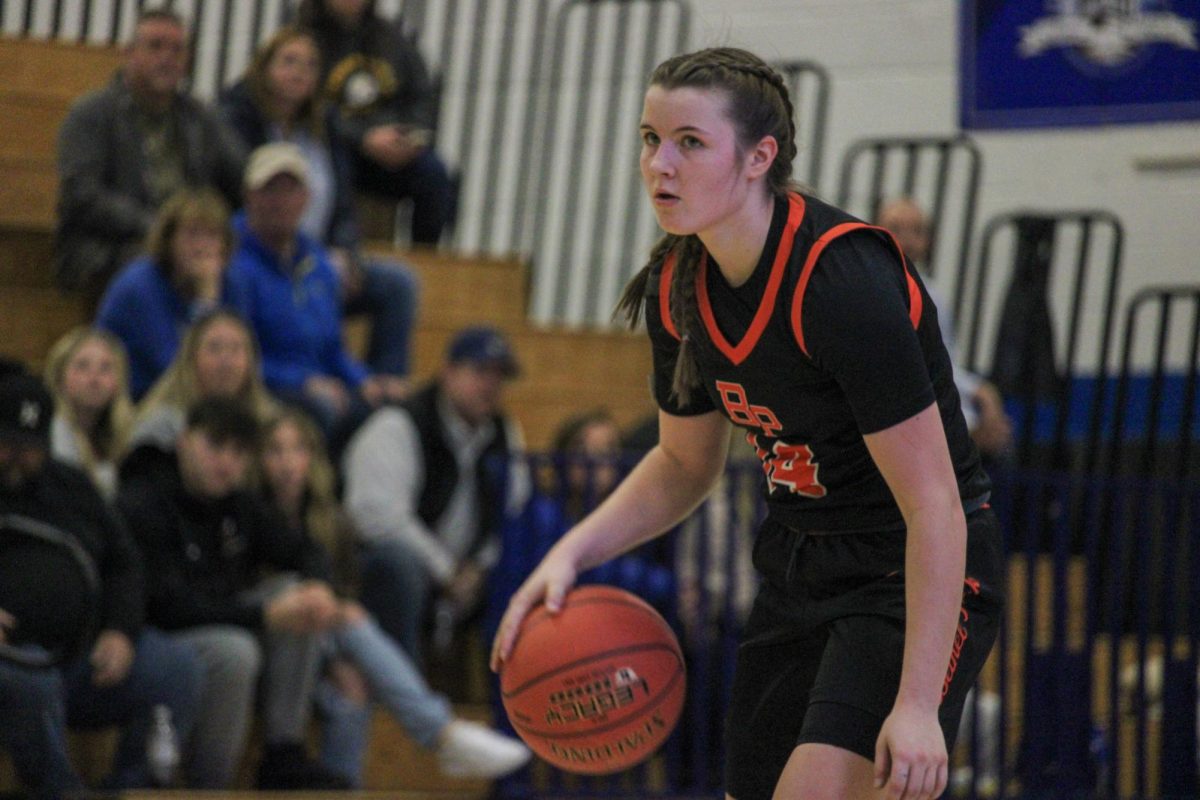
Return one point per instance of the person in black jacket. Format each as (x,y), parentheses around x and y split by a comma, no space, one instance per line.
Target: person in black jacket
(73,650)
(232,579)
(375,77)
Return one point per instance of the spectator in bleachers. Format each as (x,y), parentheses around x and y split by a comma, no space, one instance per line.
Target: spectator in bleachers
(365,664)
(292,297)
(218,358)
(124,149)
(228,577)
(585,464)
(184,274)
(375,77)
(983,407)
(277,100)
(85,371)
(73,649)
(427,484)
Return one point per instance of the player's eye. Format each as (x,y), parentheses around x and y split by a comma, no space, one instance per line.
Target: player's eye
(650,138)
(691,143)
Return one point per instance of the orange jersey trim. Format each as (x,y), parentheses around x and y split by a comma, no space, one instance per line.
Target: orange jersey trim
(914,292)
(664,294)
(766,306)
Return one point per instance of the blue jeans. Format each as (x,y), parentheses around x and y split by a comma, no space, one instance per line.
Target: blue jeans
(388,295)
(395,683)
(395,589)
(426,181)
(38,706)
(35,730)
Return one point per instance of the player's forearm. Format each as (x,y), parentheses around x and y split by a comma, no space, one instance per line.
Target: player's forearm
(935,565)
(657,494)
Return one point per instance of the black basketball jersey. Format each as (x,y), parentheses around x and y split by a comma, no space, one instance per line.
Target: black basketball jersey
(832,337)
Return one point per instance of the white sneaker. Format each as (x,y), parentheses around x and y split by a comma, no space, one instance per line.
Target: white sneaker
(471,750)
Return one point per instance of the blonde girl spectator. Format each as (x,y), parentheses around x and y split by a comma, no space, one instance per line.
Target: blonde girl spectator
(183,275)
(218,358)
(365,663)
(87,373)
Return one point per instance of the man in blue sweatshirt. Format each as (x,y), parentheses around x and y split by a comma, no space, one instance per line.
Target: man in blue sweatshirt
(291,296)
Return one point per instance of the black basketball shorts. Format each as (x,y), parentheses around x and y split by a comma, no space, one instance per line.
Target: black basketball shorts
(821,656)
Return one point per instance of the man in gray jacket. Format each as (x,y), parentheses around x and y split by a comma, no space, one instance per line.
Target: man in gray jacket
(124,149)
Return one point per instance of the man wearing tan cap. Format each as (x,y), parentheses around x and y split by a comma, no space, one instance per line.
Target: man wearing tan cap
(293,295)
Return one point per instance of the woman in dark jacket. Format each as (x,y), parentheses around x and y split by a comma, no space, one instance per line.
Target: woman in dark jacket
(278,100)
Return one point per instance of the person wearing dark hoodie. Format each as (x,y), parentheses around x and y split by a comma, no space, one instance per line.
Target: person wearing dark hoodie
(233,580)
(374,76)
(73,648)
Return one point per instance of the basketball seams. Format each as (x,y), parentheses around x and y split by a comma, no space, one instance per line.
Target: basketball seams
(644,647)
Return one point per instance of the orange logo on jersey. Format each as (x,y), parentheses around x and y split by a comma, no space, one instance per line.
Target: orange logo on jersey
(787,466)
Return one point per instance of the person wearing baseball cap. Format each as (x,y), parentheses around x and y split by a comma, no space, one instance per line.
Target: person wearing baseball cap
(426,485)
(73,649)
(25,412)
(294,298)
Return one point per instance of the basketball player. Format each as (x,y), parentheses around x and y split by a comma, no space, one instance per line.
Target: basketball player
(801,325)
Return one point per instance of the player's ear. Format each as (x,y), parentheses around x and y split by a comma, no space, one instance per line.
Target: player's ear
(761,156)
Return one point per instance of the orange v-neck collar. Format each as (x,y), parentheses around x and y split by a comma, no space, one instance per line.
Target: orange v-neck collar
(738,353)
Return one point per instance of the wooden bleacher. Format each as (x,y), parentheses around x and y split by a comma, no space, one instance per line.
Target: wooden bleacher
(563,372)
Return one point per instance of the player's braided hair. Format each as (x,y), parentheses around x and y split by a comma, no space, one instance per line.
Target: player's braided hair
(758,106)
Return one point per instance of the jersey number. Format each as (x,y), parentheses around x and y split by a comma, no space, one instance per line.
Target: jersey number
(788,467)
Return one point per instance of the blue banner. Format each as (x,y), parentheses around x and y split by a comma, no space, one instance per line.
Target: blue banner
(1034,63)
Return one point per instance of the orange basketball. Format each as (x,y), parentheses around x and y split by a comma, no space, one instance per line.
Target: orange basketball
(597,687)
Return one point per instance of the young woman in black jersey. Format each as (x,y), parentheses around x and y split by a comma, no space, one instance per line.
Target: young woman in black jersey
(807,329)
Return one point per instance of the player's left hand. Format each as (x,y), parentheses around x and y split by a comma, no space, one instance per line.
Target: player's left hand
(910,755)
(111,658)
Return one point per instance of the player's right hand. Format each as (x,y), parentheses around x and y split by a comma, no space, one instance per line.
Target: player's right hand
(549,583)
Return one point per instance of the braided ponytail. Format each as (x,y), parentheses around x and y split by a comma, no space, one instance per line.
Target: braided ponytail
(758,106)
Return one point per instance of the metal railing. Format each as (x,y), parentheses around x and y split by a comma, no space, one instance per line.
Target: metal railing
(1068,705)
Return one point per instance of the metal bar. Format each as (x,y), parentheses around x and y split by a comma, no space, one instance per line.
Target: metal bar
(533,125)
(586,59)
(881,152)
(114,33)
(912,162)
(85,19)
(222,64)
(471,87)
(993,226)
(1187,423)
(256,26)
(491,181)
(935,218)
(974,175)
(449,24)
(1062,417)
(1150,445)
(633,187)
(1096,424)
(611,127)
